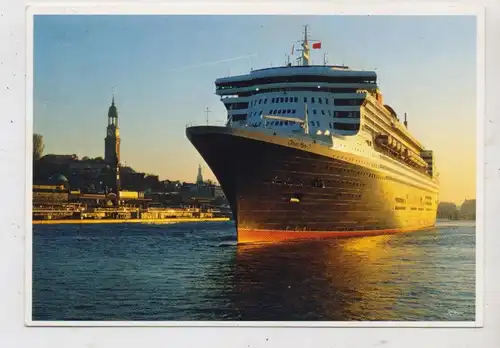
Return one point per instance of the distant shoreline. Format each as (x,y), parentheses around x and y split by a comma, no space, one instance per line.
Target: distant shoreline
(120,221)
(455,220)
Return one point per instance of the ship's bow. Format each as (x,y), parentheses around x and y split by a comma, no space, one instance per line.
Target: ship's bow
(216,146)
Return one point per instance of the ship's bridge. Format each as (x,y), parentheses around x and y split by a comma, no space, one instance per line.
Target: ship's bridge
(313,99)
(297,74)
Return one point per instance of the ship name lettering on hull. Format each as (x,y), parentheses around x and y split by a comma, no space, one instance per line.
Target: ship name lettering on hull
(298,144)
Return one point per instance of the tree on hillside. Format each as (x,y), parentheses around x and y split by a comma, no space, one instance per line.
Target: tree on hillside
(38,146)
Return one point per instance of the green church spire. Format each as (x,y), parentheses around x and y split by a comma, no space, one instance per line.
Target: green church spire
(113,112)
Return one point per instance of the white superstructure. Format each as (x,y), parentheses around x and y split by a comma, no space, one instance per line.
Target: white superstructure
(334,105)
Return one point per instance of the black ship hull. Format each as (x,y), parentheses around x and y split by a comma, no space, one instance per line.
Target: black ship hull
(281,189)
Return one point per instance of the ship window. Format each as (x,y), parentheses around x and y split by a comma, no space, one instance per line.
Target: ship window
(239,117)
(281,99)
(293,111)
(272,100)
(346,126)
(347,114)
(312,100)
(318,124)
(312,123)
(281,123)
(348,101)
(296,99)
(329,113)
(305,99)
(286,100)
(320,100)
(326,100)
(314,111)
(265,101)
(267,123)
(260,101)
(260,112)
(286,123)
(289,111)
(322,112)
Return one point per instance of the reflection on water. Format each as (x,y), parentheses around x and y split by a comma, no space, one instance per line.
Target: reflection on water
(403,277)
(196,272)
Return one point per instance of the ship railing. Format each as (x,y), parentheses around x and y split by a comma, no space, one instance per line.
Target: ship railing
(219,123)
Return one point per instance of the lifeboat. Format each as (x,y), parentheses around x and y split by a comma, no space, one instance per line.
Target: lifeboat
(416,159)
(382,139)
(394,143)
(389,141)
(404,151)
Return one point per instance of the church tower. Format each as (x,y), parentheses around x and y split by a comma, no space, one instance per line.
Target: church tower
(112,148)
(199,178)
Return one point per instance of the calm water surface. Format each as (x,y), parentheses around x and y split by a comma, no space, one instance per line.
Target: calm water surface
(195,271)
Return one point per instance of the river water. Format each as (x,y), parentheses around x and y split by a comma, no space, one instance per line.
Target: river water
(195,271)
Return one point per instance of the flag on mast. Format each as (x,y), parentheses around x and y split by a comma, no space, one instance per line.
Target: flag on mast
(316,45)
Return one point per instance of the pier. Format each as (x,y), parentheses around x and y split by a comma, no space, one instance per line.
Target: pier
(81,214)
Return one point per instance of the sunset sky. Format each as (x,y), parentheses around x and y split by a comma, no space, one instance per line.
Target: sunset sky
(163,68)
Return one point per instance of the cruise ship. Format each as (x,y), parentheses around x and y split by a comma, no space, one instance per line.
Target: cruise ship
(312,151)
